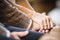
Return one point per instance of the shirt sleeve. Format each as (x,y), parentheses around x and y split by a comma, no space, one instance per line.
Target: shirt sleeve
(4,31)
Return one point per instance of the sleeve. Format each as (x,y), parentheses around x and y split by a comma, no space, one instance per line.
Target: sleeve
(16,18)
(11,15)
(4,31)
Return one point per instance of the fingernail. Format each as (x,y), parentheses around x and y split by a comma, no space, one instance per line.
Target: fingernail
(39,30)
(45,27)
(47,31)
(48,27)
(43,31)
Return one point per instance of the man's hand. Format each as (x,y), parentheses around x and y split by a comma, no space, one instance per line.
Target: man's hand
(18,35)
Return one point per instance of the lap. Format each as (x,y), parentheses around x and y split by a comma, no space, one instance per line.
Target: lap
(32,34)
(5,38)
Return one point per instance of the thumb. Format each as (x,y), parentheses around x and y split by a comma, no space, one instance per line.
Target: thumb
(44,13)
(22,34)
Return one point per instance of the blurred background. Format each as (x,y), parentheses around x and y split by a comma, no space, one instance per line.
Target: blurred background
(43,5)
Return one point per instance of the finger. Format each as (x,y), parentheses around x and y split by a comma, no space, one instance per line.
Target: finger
(48,23)
(22,34)
(15,37)
(35,26)
(43,31)
(45,23)
(51,23)
(41,28)
(46,31)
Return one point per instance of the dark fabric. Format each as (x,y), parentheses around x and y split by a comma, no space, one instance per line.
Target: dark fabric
(11,15)
(31,36)
(5,38)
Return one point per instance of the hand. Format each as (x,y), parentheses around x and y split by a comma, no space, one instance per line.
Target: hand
(18,35)
(36,27)
(41,22)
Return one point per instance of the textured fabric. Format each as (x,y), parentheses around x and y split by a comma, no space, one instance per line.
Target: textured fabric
(5,38)
(10,15)
(31,36)
(4,31)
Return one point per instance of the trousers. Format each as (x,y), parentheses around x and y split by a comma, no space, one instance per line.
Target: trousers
(31,36)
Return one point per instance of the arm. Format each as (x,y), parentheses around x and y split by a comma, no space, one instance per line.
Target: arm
(24,3)
(40,21)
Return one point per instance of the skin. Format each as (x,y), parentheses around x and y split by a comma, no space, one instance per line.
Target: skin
(43,23)
(39,24)
(18,35)
(24,3)
(15,35)
(44,26)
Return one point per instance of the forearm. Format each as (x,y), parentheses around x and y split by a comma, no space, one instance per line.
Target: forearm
(23,9)
(24,3)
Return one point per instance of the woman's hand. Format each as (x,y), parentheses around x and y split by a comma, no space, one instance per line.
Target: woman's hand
(18,35)
(41,22)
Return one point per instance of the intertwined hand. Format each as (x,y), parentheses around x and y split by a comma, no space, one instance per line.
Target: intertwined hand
(41,22)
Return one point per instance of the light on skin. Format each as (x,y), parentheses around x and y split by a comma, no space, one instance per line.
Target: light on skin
(18,35)
(43,21)
(24,3)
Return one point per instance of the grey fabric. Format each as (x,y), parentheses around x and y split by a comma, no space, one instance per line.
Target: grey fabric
(2,24)
(10,15)
(4,31)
